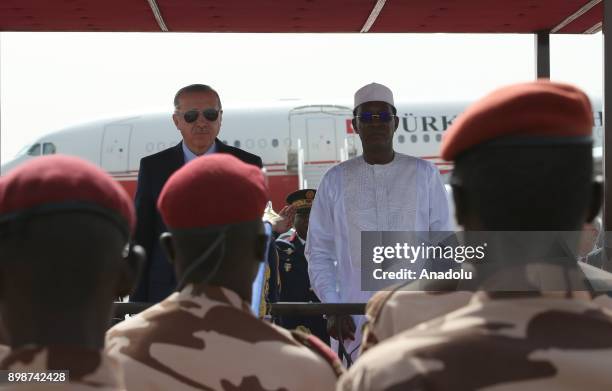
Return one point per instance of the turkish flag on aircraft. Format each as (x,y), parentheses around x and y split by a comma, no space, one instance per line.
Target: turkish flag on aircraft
(349,126)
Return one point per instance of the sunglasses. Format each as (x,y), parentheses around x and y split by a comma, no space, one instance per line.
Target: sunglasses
(192,115)
(383,116)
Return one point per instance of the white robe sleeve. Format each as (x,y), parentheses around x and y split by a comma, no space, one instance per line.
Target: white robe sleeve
(439,216)
(320,246)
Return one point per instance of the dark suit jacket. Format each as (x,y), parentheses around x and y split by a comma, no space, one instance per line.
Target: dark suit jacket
(158,279)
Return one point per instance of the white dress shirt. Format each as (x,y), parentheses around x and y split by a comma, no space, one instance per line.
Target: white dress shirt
(189,156)
(406,194)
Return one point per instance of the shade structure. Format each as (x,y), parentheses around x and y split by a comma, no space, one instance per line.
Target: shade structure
(319,16)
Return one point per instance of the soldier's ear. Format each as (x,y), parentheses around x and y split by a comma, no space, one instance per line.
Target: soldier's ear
(261,244)
(2,274)
(595,202)
(167,244)
(130,270)
(459,198)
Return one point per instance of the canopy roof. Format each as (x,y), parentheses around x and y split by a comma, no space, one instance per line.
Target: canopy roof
(319,16)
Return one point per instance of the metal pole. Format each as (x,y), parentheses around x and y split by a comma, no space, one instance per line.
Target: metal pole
(309,309)
(607,134)
(542,54)
(281,308)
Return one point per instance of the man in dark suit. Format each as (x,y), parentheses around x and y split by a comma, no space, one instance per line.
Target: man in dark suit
(197,116)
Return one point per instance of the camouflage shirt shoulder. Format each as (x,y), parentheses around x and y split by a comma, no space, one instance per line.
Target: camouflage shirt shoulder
(494,333)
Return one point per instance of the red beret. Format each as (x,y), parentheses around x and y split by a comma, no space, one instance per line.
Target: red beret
(214,189)
(63,181)
(540,108)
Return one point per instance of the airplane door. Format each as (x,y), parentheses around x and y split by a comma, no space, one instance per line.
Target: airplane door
(115,147)
(321,139)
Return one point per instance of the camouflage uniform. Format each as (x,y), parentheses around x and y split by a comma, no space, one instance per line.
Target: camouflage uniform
(88,369)
(4,351)
(390,312)
(403,307)
(212,341)
(536,343)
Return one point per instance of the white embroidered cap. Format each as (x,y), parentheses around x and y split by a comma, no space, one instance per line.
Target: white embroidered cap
(374,92)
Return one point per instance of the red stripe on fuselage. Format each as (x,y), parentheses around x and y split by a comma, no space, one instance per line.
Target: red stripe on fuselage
(279,186)
(280,181)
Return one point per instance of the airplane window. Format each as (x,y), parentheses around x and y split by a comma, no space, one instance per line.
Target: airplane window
(48,149)
(275,142)
(34,150)
(401,138)
(413,138)
(224,142)
(250,143)
(426,138)
(237,143)
(438,137)
(262,143)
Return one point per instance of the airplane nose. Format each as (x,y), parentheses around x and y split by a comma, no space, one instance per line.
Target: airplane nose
(6,167)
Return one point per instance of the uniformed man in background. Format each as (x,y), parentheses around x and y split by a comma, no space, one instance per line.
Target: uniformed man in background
(293,267)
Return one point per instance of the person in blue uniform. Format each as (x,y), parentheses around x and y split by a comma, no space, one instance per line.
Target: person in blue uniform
(293,267)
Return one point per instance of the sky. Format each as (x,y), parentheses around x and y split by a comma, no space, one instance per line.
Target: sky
(52,80)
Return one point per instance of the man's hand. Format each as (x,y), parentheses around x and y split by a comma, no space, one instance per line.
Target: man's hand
(347,326)
(283,222)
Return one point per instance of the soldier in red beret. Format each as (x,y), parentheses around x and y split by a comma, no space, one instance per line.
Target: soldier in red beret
(205,336)
(65,226)
(523,162)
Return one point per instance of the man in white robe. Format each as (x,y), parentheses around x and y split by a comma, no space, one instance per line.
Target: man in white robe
(382,190)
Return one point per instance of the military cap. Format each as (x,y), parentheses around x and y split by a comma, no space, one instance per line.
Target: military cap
(537,112)
(374,92)
(63,183)
(302,200)
(213,190)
